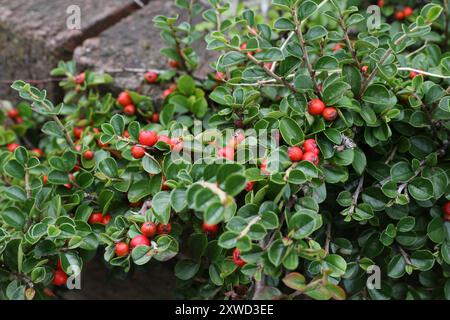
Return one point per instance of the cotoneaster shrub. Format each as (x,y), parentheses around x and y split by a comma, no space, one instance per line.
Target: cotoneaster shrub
(355,182)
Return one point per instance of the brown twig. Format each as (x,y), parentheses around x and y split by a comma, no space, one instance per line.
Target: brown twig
(272,74)
(302,42)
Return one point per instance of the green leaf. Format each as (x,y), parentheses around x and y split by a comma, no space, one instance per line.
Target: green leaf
(108,166)
(186,269)
(14,217)
(335,92)
(420,189)
(151,165)
(291,131)
(161,206)
(336,264)
(377,94)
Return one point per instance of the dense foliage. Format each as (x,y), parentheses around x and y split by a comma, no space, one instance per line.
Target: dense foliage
(357,176)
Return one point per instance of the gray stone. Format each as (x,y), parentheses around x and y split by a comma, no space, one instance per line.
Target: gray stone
(134,43)
(34,34)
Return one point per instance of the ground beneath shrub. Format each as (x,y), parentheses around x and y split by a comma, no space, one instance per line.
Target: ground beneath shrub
(151,281)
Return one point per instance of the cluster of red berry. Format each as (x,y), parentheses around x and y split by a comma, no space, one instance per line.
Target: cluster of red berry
(403,14)
(14,115)
(148,139)
(308,152)
(148,231)
(125,101)
(99,218)
(13,146)
(316,107)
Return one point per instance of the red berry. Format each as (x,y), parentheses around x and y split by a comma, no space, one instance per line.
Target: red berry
(96,217)
(164,228)
(77,132)
(155,117)
(79,79)
(173,63)
(399,15)
(309,145)
(316,107)
(129,110)
(101,145)
(38,152)
(210,229)
(19,120)
(219,76)
(12,146)
(126,134)
(167,92)
(243,46)
(88,155)
(249,186)
(148,138)
(329,113)
(295,154)
(413,74)
(122,249)
(237,258)
(264,167)
(68,186)
(148,229)
(227,153)
(408,11)
(124,99)
(447,208)
(137,152)
(139,240)
(381,3)
(13,113)
(106,219)
(78,148)
(364,69)
(164,187)
(151,77)
(337,47)
(44,180)
(310,156)
(59,278)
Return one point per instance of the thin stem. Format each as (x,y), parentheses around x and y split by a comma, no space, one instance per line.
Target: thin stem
(391,155)
(58,122)
(66,133)
(383,59)
(244,232)
(404,255)
(302,42)
(417,50)
(423,72)
(347,40)
(356,194)
(283,46)
(328,239)
(269,72)
(27,183)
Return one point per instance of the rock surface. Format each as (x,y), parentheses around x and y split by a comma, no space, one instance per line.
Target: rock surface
(134,43)
(35,35)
